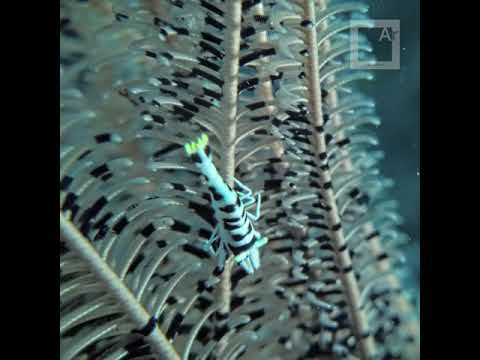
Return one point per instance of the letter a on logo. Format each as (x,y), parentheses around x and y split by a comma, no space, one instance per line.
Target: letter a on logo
(385,34)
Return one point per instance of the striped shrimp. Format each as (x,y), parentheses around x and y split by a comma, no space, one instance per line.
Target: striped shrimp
(234,231)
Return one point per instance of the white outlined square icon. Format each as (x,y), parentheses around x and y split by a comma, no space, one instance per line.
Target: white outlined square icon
(390,33)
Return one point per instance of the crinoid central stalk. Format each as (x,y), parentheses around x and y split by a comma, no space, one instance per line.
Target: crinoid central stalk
(343,259)
(233,17)
(116,288)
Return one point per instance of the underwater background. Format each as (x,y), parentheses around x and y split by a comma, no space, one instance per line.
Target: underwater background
(397,97)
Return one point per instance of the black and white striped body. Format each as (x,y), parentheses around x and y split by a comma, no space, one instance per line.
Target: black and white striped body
(234,231)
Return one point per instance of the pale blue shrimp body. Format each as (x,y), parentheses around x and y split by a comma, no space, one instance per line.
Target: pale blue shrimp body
(234,230)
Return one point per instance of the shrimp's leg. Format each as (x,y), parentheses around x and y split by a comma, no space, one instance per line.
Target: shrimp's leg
(256,216)
(207,245)
(245,194)
(243,188)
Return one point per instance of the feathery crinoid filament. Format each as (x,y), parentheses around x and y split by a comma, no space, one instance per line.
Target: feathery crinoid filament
(151,227)
(338,207)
